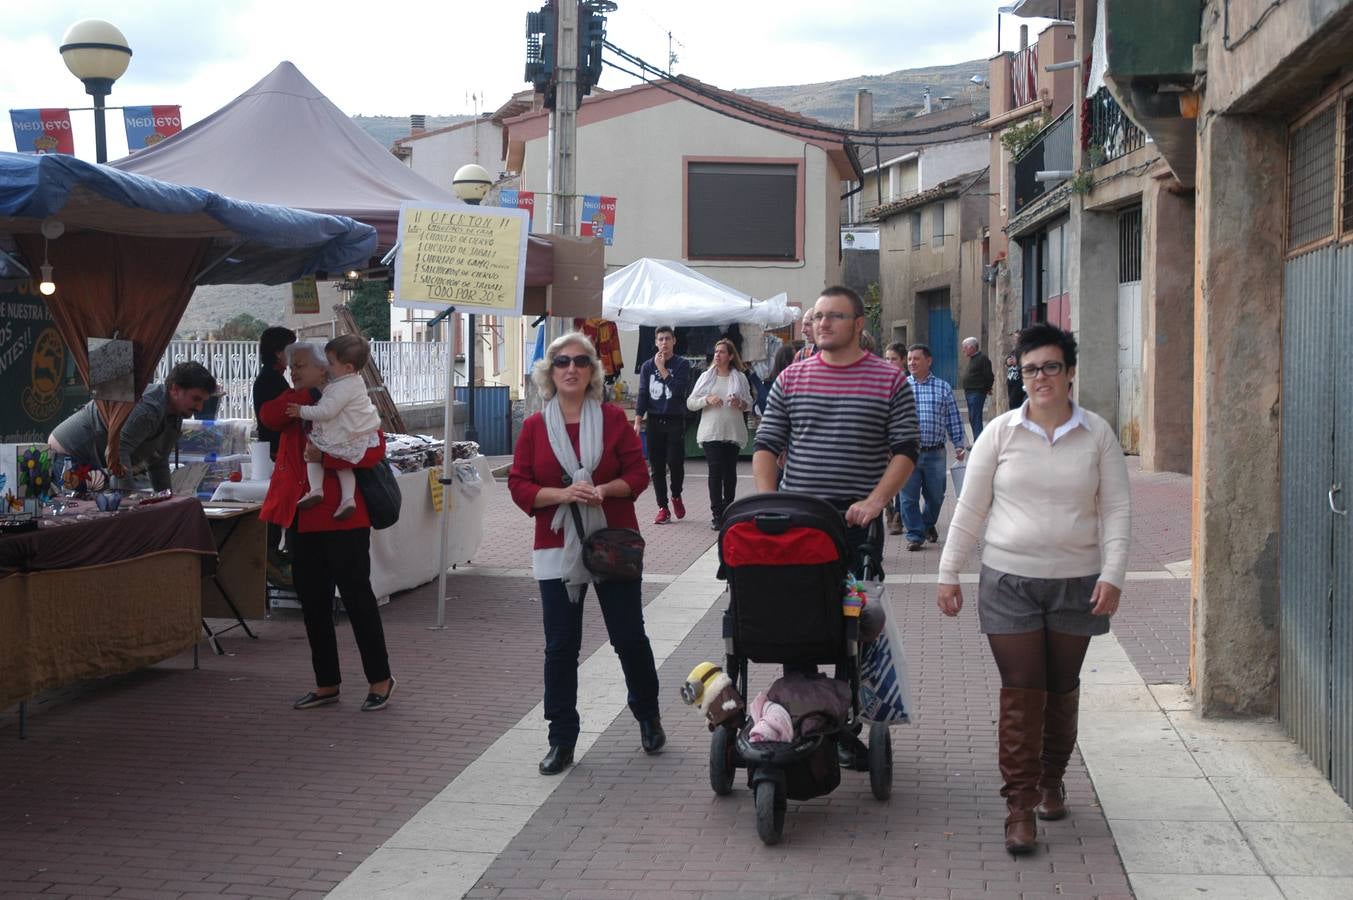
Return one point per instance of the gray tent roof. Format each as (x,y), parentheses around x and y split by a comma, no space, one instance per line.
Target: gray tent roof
(284,142)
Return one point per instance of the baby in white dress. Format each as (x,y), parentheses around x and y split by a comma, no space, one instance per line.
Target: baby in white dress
(345,423)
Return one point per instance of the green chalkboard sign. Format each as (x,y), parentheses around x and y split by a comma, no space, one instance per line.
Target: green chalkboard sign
(39,386)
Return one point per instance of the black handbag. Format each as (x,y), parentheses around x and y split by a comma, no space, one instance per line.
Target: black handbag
(611,554)
(381,492)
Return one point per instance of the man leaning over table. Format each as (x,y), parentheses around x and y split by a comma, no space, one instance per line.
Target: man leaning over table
(149,435)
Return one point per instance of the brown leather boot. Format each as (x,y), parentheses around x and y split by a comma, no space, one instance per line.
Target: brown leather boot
(1020,746)
(1060,718)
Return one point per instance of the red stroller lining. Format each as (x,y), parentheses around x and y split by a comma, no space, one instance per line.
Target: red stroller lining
(744,544)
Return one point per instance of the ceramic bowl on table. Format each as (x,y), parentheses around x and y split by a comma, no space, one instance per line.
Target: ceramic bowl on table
(108,501)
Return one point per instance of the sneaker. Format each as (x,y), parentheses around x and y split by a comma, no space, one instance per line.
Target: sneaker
(713,524)
(310,499)
(678,507)
(313,699)
(378,701)
(663,517)
(932,535)
(345,509)
(913,546)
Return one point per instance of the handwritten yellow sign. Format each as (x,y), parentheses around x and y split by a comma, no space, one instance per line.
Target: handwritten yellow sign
(468,257)
(436,489)
(305,296)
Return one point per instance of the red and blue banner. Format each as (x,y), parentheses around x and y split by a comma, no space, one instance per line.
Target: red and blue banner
(42,131)
(598,218)
(520,200)
(148,125)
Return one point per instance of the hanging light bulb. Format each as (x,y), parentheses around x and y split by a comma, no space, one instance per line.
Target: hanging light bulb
(47,286)
(51,230)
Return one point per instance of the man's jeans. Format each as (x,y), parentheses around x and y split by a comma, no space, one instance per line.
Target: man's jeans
(926,482)
(976,400)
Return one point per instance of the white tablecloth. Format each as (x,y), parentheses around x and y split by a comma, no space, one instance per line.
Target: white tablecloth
(405,555)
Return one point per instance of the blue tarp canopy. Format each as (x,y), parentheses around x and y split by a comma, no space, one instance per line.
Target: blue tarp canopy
(251,243)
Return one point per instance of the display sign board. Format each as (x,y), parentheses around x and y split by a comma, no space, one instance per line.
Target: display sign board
(598,218)
(469,257)
(42,131)
(39,385)
(148,125)
(305,296)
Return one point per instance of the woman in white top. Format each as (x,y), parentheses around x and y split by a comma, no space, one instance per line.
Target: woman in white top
(1050,480)
(722,397)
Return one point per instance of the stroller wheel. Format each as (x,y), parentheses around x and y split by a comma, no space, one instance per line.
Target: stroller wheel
(770,812)
(722,761)
(880,760)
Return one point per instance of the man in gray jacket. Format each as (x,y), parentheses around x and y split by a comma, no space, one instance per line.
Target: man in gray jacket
(149,435)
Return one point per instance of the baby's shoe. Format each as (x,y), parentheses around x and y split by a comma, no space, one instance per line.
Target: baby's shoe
(310,499)
(345,508)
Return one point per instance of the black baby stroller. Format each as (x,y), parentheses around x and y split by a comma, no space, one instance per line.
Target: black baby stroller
(785,558)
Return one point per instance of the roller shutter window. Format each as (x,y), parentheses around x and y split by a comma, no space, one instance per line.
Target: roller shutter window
(741,211)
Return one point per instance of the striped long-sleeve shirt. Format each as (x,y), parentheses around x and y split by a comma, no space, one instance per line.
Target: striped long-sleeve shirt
(840,425)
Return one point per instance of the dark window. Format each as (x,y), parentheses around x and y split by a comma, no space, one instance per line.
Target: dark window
(741,211)
(937,225)
(916,230)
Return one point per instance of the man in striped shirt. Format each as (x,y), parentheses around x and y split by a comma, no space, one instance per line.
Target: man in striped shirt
(937,412)
(846,418)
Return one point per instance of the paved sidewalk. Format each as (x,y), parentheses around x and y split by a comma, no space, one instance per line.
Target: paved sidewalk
(175,783)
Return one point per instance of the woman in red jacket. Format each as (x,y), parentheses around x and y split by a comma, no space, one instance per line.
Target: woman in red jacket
(583,452)
(325,552)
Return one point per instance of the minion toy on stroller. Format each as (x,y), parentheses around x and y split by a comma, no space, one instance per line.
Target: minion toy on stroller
(786,558)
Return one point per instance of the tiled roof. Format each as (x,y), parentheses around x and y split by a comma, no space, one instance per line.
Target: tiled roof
(951,188)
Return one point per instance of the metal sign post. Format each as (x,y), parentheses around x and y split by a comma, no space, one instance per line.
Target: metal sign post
(445,478)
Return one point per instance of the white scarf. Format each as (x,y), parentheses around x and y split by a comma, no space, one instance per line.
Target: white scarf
(589,442)
(737,381)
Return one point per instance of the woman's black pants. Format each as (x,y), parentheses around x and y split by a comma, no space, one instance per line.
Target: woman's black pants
(321,561)
(722,459)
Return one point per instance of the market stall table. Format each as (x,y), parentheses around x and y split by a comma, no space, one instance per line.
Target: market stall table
(238,588)
(404,555)
(92,594)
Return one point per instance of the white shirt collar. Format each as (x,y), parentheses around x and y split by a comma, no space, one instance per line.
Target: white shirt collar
(1077,420)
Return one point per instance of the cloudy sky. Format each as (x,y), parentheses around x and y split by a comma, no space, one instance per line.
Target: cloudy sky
(430,56)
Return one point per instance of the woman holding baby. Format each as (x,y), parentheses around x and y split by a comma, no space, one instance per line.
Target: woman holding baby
(722,397)
(328,427)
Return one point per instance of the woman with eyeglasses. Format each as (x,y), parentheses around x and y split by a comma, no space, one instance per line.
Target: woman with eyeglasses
(581,452)
(1050,481)
(722,397)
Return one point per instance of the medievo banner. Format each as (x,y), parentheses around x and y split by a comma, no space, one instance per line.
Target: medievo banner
(512,199)
(598,218)
(42,131)
(148,125)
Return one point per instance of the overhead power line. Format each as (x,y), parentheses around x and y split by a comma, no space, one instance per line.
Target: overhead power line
(761,112)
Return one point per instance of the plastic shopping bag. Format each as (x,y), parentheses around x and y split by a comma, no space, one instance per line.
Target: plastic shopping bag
(956,472)
(885,690)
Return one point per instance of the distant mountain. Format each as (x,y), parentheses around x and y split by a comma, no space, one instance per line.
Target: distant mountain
(895,94)
(387,129)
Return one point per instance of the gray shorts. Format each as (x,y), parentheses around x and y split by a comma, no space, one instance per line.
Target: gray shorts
(1012,604)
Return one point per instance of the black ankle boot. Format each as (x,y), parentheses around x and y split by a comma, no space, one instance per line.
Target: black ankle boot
(651,735)
(558,759)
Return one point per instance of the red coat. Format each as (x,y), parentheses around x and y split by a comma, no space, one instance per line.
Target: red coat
(534,467)
(289,482)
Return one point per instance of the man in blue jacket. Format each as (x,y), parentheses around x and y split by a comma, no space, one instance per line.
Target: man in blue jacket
(664,382)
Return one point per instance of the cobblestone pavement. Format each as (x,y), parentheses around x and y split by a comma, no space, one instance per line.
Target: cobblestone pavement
(172,782)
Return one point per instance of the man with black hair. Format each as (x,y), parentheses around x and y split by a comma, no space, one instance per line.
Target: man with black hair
(937,412)
(664,382)
(149,435)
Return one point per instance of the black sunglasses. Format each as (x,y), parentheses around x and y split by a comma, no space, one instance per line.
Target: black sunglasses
(581,361)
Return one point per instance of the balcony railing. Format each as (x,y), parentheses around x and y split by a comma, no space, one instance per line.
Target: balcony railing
(1112,133)
(1024,77)
(1049,151)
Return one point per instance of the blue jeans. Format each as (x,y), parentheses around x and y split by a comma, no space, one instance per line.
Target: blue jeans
(976,400)
(926,482)
(622,608)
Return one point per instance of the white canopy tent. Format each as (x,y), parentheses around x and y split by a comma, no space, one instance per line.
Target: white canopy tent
(662,292)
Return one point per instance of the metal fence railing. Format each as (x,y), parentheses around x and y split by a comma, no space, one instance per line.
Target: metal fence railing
(1050,151)
(1112,133)
(414,372)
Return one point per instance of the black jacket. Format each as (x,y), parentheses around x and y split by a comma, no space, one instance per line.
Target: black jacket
(270,383)
(978,375)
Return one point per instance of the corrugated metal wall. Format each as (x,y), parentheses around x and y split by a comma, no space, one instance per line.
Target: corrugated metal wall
(1341,607)
(1306,527)
(1317,484)
(492,417)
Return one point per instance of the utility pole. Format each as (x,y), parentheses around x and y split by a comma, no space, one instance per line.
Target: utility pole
(565,119)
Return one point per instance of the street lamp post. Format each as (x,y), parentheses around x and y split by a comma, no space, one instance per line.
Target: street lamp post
(97,54)
(471,183)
